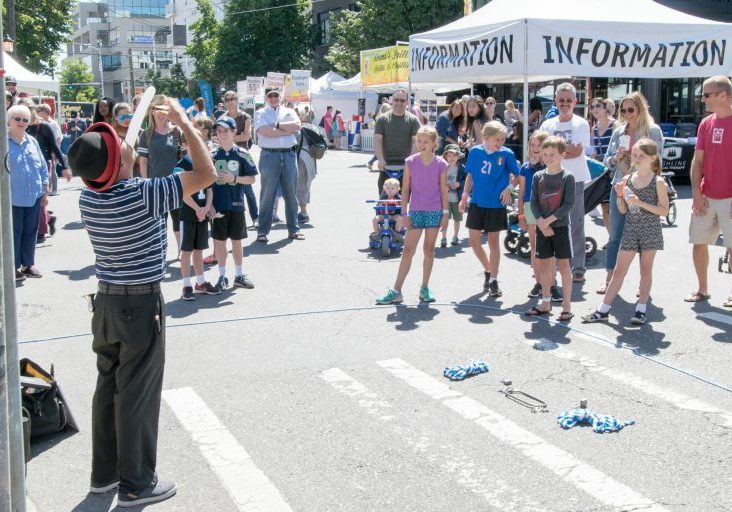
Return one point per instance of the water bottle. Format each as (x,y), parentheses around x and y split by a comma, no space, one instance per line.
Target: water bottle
(628,194)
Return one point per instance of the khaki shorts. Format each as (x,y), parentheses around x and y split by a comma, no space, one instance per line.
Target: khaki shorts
(455,211)
(704,230)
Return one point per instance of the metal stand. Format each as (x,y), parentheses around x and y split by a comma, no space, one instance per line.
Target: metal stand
(524,399)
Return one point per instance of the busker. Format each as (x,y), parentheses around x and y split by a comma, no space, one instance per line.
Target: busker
(125,220)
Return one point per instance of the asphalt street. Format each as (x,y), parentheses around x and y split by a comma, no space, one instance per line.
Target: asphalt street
(303,395)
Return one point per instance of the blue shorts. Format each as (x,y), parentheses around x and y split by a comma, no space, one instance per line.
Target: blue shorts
(425,220)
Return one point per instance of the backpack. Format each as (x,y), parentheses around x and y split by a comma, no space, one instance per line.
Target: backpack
(316,142)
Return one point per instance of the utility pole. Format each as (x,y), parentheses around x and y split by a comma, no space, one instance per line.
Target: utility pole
(12,470)
(10,10)
(132,75)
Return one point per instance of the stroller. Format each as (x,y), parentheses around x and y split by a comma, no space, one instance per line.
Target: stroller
(598,191)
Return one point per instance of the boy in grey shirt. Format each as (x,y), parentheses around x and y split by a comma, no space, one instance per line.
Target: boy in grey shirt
(552,198)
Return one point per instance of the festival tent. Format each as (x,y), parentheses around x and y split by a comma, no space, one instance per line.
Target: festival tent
(353,84)
(513,41)
(27,79)
(323,93)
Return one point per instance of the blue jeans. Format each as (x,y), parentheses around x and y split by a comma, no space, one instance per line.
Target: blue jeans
(617,224)
(278,169)
(251,202)
(25,233)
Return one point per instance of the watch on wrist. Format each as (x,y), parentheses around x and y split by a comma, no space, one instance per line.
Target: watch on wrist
(445,212)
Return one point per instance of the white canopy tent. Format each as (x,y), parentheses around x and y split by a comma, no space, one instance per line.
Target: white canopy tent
(323,93)
(325,82)
(513,41)
(27,79)
(353,84)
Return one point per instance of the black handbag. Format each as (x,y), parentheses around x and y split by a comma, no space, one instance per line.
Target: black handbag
(42,398)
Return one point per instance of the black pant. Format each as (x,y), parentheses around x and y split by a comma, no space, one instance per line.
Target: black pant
(129,340)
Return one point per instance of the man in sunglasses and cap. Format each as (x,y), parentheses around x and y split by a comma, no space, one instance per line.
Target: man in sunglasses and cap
(125,220)
(11,86)
(277,127)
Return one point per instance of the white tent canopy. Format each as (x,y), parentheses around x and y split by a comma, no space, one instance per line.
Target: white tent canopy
(354,85)
(517,40)
(27,79)
(325,82)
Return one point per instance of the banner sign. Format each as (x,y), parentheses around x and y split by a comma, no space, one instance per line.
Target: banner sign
(207,95)
(255,86)
(241,88)
(297,87)
(246,102)
(275,80)
(498,53)
(384,65)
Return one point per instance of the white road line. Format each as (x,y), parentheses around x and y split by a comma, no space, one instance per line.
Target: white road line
(565,465)
(467,472)
(247,485)
(717,317)
(675,398)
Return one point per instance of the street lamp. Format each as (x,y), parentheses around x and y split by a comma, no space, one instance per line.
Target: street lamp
(101,65)
(8,44)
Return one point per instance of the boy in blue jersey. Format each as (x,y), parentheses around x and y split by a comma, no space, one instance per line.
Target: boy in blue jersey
(235,168)
(490,170)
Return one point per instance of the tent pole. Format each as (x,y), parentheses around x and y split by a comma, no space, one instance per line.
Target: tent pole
(525,131)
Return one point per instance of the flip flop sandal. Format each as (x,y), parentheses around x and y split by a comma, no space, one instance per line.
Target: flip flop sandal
(578,278)
(697,297)
(728,303)
(565,316)
(209,260)
(262,238)
(602,289)
(537,312)
(297,236)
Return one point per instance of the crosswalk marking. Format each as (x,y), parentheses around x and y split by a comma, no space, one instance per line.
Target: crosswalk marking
(572,470)
(675,398)
(247,485)
(467,472)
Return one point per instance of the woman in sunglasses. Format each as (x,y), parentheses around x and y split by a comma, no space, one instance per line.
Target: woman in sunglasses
(634,123)
(602,130)
(122,115)
(28,189)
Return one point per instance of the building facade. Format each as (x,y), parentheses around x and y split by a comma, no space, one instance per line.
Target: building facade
(120,41)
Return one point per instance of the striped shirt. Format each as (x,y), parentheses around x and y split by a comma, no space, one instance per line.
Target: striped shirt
(126,227)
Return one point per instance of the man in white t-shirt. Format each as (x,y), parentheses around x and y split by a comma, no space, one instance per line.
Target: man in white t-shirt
(576,133)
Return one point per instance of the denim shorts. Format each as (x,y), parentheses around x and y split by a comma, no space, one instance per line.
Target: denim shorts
(424,220)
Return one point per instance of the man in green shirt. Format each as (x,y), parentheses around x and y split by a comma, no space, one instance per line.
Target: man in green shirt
(395,136)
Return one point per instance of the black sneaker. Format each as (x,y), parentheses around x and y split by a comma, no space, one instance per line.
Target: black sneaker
(52,225)
(556,295)
(243,282)
(207,289)
(188,293)
(222,284)
(443,243)
(535,291)
(486,283)
(494,290)
(160,490)
(638,319)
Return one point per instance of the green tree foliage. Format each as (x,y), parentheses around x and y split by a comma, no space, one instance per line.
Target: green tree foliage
(205,42)
(175,86)
(41,28)
(256,38)
(377,23)
(75,71)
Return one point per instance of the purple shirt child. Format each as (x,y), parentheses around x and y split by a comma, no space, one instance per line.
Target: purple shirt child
(424,183)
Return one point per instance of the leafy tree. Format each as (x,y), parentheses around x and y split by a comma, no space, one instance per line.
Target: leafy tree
(377,23)
(205,42)
(41,29)
(256,38)
(175,86)
(75,71)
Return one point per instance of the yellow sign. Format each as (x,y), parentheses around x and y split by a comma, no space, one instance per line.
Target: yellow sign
(382,66)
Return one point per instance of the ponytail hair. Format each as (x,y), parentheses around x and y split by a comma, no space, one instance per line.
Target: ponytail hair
(650,148)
